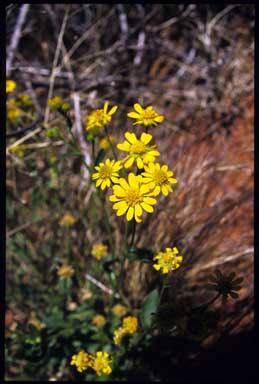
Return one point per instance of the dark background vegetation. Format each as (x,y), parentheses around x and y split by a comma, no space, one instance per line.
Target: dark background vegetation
(195,65)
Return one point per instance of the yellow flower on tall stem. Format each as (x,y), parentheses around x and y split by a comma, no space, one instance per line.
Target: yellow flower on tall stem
(168,261)
(138,149)
(146,117)
(132,197)
(99,320)
(100,117)
(107,173)
(130,323)
(158,178)
(66,271)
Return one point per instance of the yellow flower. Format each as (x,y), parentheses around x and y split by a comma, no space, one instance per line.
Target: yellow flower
(130,323)
(13,112)
(18,149)
(118,335)
(100,117)
(101,363)
(146,116)
(36,323)
(119,310)
(132,197)
(106,173)
(99,320)
(99,251)
(104,142)
(158,178)
(82,361)
(67,220)
(55,102)
(10,86)
(24,99)
(138,150)
(168,261)
(66,271)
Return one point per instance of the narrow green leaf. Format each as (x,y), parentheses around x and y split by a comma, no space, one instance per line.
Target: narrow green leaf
(149,307)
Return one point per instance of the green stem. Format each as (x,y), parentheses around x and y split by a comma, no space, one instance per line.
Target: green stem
(110,143)
(133,233)
(93,151)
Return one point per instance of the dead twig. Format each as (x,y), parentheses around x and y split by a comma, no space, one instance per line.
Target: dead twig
(16,37)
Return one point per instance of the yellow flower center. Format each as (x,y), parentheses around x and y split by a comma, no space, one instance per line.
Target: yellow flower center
(149,114)
(98,115)
(138,147)
(160,177)
(133,196)
(105,172)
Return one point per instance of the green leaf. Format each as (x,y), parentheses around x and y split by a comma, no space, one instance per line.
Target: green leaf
(149,307)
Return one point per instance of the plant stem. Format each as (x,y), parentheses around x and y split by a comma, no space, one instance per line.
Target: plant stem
(133,233)
(110,143)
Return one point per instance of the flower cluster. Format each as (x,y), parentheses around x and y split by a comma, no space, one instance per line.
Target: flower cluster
(129,326)
(100,363)
(136,193)
(167,261)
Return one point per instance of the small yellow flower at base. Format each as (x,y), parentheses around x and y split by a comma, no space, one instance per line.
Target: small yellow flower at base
(67,220)
(118,335)
(82,361)
(119,310)
(146,117)
(130,323)
(167,261)
(107,173)
(55,102)
(99,251)
(10,86)
(138,150)
(101,363)
(65,272)
(99,321)
(104,142)
(158,178)
(100,117)
(132,197)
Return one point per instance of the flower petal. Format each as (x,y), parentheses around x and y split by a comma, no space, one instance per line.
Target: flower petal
(131,137)
(138,213)
(129,162)
(133,115)
(145,138)
(138,108)
(130,214)
(113,110)
(147,207)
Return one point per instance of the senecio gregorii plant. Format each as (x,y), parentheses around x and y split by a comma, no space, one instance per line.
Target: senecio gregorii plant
(131,180)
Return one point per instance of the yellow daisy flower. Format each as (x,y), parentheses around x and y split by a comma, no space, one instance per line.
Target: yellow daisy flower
(100,117)
(138,150)
(24,99)
(99,320)
(55,102)
(66,271)
(132,198)
(101,363)
(10,86)
(119,310)
(158,178)
(147,116)
(82,361)
(99,251)
(130,323)
(106,173)
(168,261)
